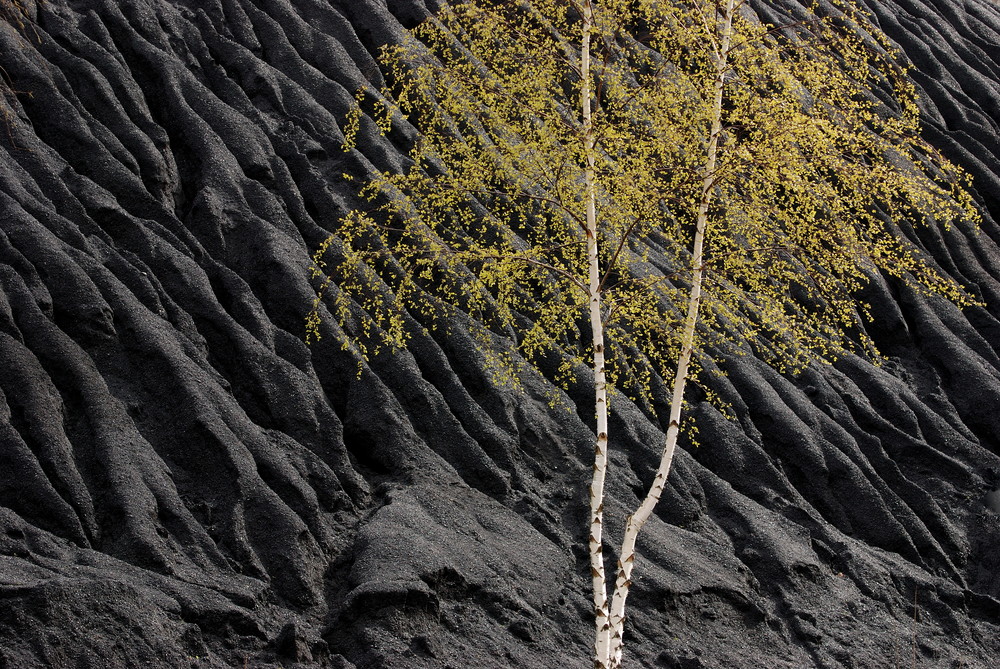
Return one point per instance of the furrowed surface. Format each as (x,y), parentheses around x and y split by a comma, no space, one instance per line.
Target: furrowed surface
(184,483)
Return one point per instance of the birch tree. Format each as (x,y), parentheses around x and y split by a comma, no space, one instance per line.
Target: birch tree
(677,174)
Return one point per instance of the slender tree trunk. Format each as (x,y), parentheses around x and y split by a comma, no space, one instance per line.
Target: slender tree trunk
(601,626)
(635,522)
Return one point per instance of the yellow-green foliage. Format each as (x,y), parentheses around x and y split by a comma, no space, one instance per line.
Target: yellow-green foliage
(820,158)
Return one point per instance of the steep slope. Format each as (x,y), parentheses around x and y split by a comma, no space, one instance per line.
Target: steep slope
(184,483)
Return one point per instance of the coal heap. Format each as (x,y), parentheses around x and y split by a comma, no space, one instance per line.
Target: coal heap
(184,483)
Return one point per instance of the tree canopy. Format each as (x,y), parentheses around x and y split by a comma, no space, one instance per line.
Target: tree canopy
(819,152)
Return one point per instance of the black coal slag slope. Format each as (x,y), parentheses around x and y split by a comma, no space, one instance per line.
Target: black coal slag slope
(184,483)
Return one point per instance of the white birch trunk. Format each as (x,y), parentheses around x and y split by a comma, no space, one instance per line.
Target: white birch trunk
(602,628)
(635,522)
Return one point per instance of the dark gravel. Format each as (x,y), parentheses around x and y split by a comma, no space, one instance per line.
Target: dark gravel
(183,483)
